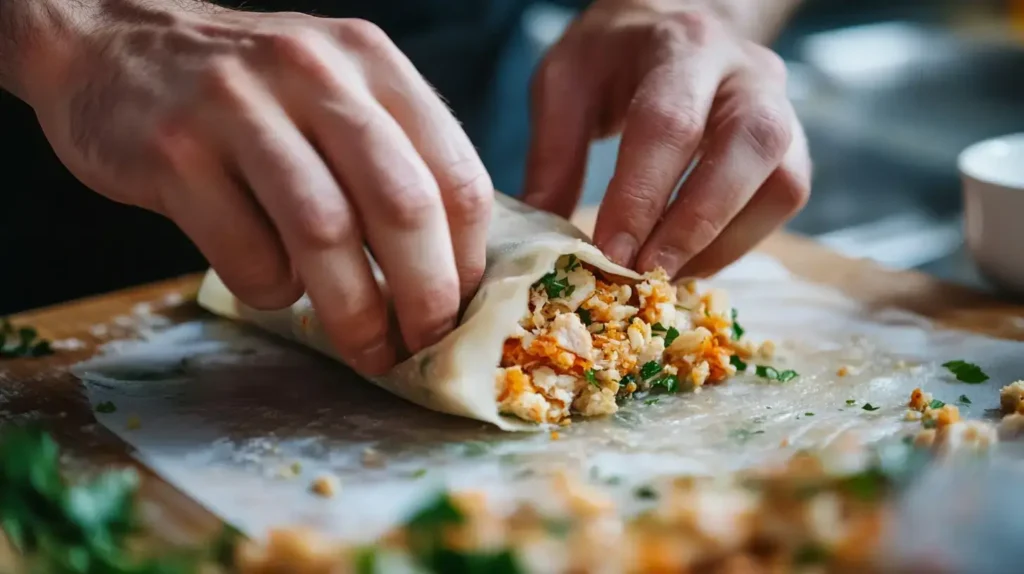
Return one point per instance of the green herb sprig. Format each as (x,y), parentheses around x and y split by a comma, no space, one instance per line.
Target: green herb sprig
(21,342)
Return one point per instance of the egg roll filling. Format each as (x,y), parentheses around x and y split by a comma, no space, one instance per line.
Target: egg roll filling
(589,341)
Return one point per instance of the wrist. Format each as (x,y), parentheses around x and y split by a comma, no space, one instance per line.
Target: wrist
(42,42)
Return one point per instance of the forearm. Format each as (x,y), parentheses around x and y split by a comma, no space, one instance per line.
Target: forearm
(39,39)
(758,20)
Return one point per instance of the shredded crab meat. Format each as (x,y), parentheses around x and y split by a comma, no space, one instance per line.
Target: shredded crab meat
(604,338)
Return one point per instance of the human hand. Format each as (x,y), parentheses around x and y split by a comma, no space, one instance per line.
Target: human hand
(678,83)
(282,144)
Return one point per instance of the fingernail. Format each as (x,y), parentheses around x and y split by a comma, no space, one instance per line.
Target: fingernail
(621,249)
(376,359)
(669,259)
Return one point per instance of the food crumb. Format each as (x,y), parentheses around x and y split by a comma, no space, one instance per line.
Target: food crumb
(843,371)
(372,458)
(565,422)
(325,485)
(133,423)
(1011,397)
(554,435)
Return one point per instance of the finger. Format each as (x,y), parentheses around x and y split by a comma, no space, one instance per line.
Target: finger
(562,124)
(318,227)
(752,132)
(465,186)
(783,195)
(228,226)
(401,207)
(663,129)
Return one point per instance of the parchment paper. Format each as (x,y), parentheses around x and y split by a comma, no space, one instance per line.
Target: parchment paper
(223,408)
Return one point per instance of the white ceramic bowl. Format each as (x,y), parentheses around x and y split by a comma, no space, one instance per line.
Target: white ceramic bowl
(993,180)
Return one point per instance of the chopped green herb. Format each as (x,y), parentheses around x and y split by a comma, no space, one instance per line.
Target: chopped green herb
(966,372)
(929,423)
(584,316)
(668,333)
(645,493)
(851,402)
(572,264)
(773,374)
(106,407)
(75,528)
(570,290)
(669,382)
(419,473)
(743,435)
(738,363)
(366,561)
(626,380)
(964,400)
(653,401)
(936,404)
(553,286)
(737,330)
(810,554)
(867,485)
(808,414)
(870,407)
(592,377)
(23,342)
(649,369)
(426,531)
(558,528)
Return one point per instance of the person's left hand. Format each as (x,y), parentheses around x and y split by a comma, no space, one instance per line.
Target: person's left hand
(679,83)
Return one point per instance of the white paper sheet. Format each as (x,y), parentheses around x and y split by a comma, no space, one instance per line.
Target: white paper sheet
(224,408)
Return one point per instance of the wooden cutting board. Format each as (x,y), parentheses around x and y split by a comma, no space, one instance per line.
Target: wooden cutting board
(44,390)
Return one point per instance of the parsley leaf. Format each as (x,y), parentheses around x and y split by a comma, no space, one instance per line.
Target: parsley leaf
(649,369)
(645,493)
(936,404)
(419,473)
(870,407)
(106,407)
(737,330)
(653,401)
(584,316)
(23,342)
(669,382)
(572,263)
(808,414)
(592,377)
(626,380)
(553,286)
(669,334)
(851,402)
(966,372)
(964,400)
(773,374)
(738,363)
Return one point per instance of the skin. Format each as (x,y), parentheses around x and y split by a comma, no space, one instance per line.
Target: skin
(288,146)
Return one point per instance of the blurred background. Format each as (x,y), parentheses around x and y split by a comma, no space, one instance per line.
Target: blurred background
(889,92)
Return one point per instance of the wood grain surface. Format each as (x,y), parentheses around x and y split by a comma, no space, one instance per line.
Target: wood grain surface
(44,390)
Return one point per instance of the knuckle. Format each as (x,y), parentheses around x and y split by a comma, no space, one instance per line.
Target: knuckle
(364,36)
(769,62)
(409,205)
(767,130)
(301,50)
(366,327)
(676,125)
(219,81)
(436,302)
(690,27)
(470,197)
(794,192)
(700,229)
(324,224)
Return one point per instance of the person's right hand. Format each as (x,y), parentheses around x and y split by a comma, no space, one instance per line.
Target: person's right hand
(282,144)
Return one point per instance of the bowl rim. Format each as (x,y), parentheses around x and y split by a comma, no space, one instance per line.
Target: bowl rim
(968,159)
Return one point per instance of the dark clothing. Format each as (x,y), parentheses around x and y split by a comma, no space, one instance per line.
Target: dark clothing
(62,241)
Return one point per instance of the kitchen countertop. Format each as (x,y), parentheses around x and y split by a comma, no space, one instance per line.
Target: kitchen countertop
(44,390)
